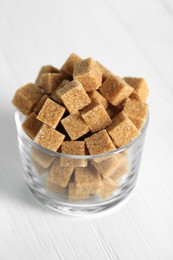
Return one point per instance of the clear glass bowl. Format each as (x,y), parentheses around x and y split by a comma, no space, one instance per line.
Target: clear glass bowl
(96,182)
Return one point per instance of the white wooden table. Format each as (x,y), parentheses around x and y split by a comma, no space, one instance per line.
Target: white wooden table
(130,38)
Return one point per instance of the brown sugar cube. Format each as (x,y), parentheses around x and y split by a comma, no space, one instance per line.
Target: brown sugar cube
(60,175)
(55,188)
(51,113)
(95,95)
(31,125)
(75,126)
(108,166)
(88,180)
(26,97)
(99,143)
(54,95)
(49,138)
(136,111)
(122,130)
(77,193)
(88,73)
(108,186)
(69,64)
(95,117)
(50,81)
(42,159)
(73,148)
(45,69)
(40,103)
(105,72)
(73,96)
(135,95)
(41,162)
(122,170)
(115,90)
(139,85)
(138,122)
(73,189)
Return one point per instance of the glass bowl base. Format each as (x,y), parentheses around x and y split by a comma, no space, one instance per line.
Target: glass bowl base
(76,209)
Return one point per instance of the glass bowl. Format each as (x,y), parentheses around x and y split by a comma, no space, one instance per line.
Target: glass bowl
(84,184)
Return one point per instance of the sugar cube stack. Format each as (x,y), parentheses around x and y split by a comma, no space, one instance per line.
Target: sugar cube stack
(77,110)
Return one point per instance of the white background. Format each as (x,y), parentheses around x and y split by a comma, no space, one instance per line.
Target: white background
(130,38)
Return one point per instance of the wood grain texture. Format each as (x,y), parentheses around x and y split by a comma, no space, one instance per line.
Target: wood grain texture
(130,38)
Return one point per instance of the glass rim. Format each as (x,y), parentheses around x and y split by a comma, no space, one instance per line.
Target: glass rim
(20,131)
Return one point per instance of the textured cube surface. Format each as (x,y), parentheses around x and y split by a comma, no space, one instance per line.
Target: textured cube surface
(122,170)
(75,126)
(49,138)
(88,73)
(73,96)
(136,111)
(99,143)
(69,64)
(40,103)
(55,188)
(26,98)
(105,72)
(88,179)
(41,158)
(108,186)
(77,193)
(139,85)
(95,95)
(51,113)
(73,148)
(31,125)
(96,117)
(122,130)
(54,95)
(135,95)
(110,165)
(45,69)
(115,90)
(73,189)
(59,175)
(50,81)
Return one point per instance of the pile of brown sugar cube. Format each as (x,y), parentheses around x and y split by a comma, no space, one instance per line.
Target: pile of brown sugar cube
(82,109)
